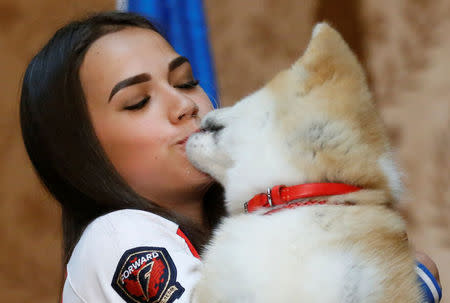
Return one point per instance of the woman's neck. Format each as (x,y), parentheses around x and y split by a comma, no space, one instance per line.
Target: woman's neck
(191,209)
(188,204)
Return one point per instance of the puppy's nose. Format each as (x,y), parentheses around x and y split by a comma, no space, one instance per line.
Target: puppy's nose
(209,125)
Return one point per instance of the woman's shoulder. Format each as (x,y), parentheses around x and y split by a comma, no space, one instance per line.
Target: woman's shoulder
(115,249)
(124,217)
(126,220)
(127,228)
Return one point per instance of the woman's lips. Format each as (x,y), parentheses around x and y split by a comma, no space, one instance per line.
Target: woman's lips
(184,140)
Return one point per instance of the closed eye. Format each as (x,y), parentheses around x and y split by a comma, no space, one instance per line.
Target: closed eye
(138,105)
(187,85)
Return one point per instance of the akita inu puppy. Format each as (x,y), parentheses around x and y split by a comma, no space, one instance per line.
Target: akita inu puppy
(325,231)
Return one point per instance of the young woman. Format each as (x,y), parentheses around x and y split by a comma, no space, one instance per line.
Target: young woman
(106,109)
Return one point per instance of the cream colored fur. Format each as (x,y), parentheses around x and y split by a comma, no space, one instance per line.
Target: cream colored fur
(314,122)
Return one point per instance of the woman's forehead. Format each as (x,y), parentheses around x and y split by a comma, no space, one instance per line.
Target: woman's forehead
(123,54)
(129,40)
(129,46)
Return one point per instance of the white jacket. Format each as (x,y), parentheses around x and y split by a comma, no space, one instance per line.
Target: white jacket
(136,256)
(131,256)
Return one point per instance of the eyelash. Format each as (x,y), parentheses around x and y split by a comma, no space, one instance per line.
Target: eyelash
(138,105)
(188,85)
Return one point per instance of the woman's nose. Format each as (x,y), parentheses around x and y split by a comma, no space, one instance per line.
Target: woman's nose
(182,108)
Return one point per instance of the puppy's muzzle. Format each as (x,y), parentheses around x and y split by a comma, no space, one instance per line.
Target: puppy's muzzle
(211,126)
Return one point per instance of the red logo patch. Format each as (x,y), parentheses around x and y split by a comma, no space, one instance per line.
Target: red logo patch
(147,274)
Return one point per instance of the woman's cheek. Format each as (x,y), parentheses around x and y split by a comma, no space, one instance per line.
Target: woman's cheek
(142,170)
(135,152)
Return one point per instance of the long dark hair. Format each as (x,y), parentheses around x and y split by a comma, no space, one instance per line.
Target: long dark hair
(61,143)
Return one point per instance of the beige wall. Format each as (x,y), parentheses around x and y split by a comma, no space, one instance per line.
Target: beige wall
(404,45)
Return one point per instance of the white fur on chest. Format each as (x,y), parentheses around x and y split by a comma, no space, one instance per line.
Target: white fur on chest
(299,255)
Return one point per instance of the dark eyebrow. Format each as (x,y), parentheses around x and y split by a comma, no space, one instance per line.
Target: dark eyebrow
(177,62)
(129,81)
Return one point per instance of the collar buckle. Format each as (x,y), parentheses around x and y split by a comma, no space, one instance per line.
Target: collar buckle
(269,197)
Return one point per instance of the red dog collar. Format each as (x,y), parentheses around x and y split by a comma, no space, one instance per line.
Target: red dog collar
(281,194)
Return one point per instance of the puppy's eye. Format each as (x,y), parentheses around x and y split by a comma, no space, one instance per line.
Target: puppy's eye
(138,105)
(188,85)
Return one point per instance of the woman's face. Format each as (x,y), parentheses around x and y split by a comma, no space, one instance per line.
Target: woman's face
(144,103)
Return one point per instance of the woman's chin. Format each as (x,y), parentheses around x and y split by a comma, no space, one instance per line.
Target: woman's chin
(196,174)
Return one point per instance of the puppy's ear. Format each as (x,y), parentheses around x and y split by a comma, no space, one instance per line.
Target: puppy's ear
(328,57)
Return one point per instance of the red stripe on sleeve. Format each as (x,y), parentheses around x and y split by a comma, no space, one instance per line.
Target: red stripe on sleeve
(189,244)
